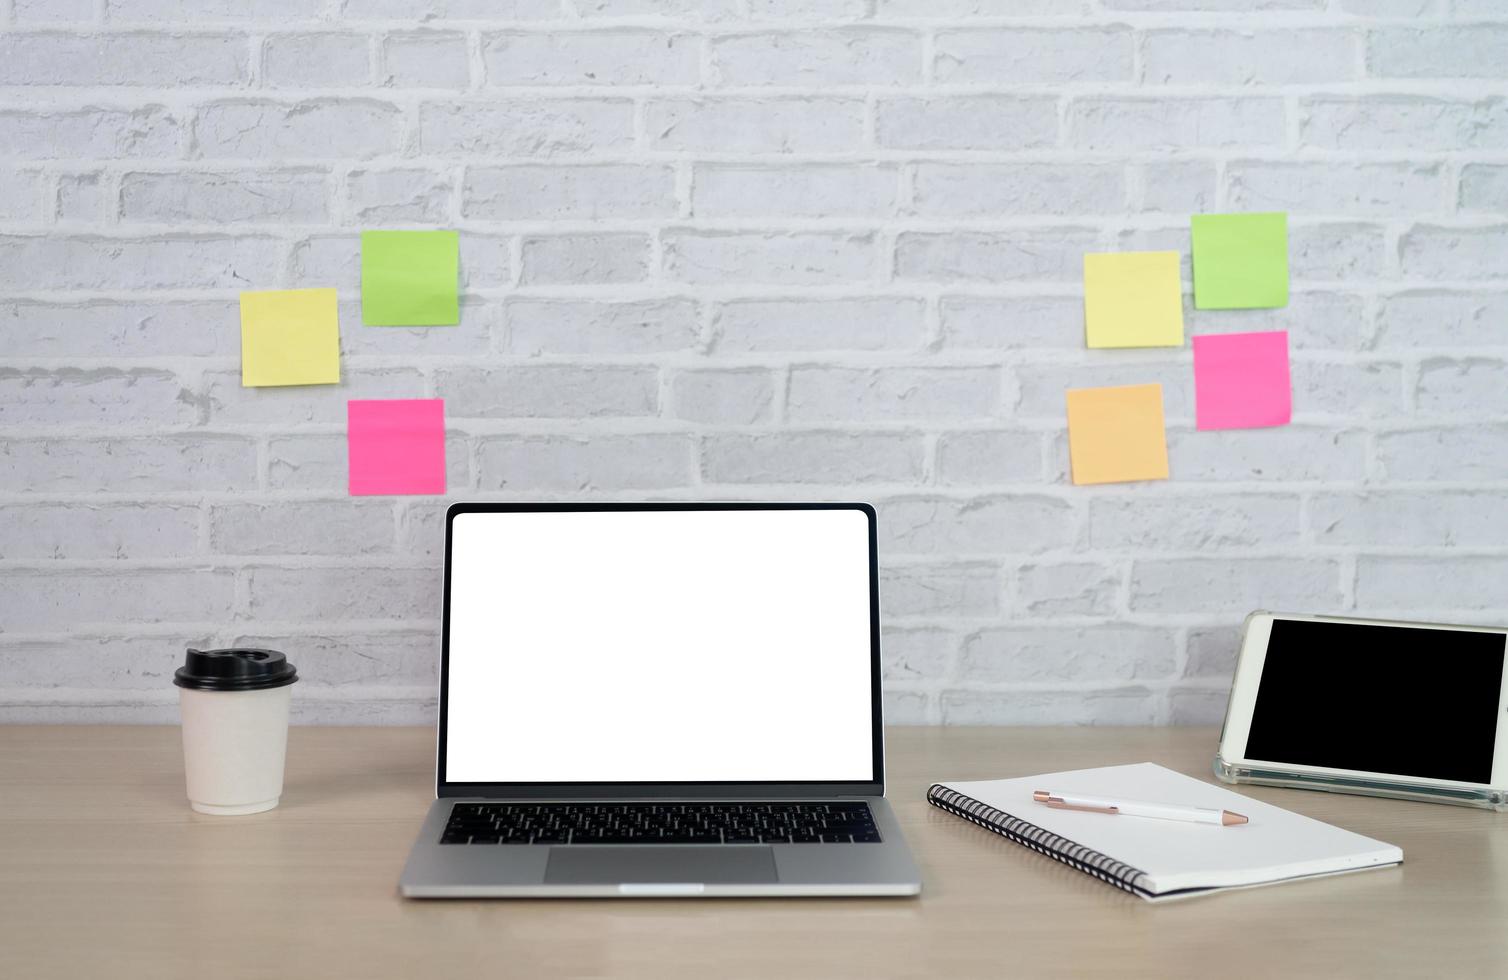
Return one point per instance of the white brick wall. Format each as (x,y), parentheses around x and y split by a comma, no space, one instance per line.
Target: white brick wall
(743,249)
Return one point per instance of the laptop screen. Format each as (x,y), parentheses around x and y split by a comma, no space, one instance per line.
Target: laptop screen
(652,645)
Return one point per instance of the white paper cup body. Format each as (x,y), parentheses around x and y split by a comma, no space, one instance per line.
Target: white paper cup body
(234,746)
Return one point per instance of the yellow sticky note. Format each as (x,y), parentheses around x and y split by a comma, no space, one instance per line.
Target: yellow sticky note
(290,337)
(1132,299)
(1116,435)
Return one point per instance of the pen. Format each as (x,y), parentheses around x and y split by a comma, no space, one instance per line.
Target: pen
(1133,808)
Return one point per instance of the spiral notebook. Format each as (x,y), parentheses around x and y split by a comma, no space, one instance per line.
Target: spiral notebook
(1161,859)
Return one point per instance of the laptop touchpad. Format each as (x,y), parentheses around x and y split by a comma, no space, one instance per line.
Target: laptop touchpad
(604,864)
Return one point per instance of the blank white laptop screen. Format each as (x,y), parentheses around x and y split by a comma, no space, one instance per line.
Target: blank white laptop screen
(659,646)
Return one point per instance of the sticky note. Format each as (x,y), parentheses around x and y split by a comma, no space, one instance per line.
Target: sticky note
(1241,380)
(408,278)
(396,445)
(290,337)
(1116,435)
(1132,299)
(1240,260)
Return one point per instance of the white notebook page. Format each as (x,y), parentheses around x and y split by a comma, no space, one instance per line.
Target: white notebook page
(1276,844)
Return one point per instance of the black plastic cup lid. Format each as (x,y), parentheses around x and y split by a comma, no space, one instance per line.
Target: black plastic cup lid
(234,669)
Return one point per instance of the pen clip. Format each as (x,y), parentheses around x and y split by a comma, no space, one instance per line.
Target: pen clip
(1058,803)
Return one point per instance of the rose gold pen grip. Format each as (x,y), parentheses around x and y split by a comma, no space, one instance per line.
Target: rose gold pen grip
(1056,802)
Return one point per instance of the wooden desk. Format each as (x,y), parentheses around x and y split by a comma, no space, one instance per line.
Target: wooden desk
(105,872)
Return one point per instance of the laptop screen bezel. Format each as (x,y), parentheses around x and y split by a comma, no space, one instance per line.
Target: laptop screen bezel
(657,790)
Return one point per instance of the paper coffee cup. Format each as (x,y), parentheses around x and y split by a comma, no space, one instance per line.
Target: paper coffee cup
(235,728)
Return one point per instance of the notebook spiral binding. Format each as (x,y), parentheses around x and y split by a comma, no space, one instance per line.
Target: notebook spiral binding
(1077,856)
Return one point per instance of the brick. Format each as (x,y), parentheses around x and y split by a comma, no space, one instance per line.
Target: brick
(817,58)
(906,707)
(145,131)
(860,323)
(548,391)
(1055,254)
(582,464)
(1009,323)
(317,462)
(101,663)
(813,457)
(966,122)
(697,10)
(1010,524)
(322,527)
(97,396)
(1402,122)
(1382,189)
(53,11)
(794,258)
(389,658)
(1336,251)
(617,57)
(1038,654)
(803,124)
(1233,6)
(87,531)
(429,59)
(1203,523)
(1137,123)
(1283,453)
(736,396)
(178,261)
(1197,706)
(325,60)
(421,528)
(120,328)
(553,193)
(1116,706)
(1484,186)
(1372,519)
(1249,57)
(952,589)
(144,464)
(129,59)
(589,257)
(1435,318)
(342,594)
(1465,51)
(542,128)
(397,196)
(1042,386)
(226,197)
(1067,589)
(157,11)
(1315,320)
(1234,584)
(75,599)
(226,402)
(1031,55)
(1437,252)
(1347,389)
(1176,186)
(949,9)
(918,653)
(564,326)
(20,195)
(1212,651)
(1473,386)
(970,189)
(826,394)
(809,191)
(317,128)
(1456,453)
(1386,586)
(473,335)
(985,457)
(81,197)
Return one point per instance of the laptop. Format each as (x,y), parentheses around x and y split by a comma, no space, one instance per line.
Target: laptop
(666,699)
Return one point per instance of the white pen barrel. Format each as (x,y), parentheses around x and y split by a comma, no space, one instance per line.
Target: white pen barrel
(1159,811)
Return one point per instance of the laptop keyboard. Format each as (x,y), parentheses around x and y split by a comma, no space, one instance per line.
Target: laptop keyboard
(661,823)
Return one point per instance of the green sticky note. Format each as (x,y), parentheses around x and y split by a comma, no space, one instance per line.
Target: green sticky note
(1240,260)
(408,278)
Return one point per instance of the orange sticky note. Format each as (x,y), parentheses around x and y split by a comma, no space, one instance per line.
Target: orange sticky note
(1116,435)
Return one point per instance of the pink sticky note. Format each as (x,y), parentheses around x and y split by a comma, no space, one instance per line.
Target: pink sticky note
(1241,380)
(396,445)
